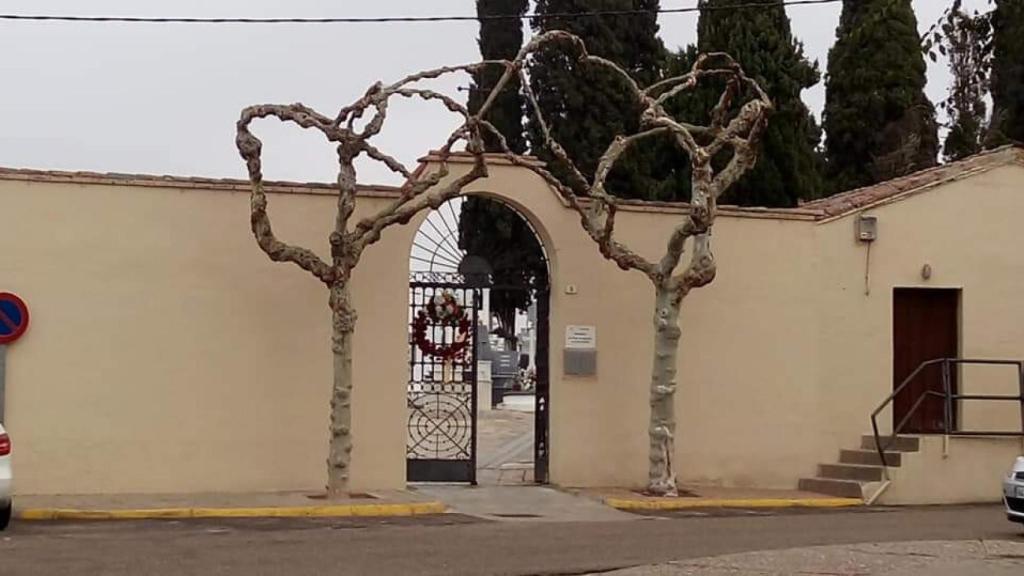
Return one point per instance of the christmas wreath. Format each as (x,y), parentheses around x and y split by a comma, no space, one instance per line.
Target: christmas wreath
(442,310)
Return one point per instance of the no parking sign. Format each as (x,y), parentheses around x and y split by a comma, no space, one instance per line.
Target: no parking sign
(13,323)
(13,318)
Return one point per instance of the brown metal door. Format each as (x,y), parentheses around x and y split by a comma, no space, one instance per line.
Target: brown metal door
(925,325)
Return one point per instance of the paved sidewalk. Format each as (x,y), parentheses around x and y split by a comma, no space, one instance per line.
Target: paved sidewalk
(523,503)
(986,557)
(220,505)
(514,502)
(696,497)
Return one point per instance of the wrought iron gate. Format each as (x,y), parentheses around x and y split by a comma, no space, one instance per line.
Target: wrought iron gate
(542,391)
(442,387)
(442,392)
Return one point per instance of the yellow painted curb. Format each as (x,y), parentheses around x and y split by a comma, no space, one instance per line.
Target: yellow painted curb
(691,503)
(336,511)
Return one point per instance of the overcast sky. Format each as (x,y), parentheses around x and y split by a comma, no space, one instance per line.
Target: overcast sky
(163,98)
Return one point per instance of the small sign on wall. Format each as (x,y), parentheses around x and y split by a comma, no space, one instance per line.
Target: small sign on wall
(580,355)
(581,337)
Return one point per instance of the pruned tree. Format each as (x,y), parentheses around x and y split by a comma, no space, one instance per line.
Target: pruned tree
(348,240)
(720,153)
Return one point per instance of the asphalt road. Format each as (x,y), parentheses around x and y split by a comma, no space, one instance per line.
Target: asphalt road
(455,545)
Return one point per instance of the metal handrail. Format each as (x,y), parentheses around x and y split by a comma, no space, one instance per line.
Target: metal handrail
(949,397)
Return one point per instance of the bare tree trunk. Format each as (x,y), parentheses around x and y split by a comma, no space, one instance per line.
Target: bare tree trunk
(662,476)
(340,453)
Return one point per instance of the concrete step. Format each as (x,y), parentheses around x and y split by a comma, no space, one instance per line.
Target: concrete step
(858,472)
(901,444)
(833,487)
(869,457)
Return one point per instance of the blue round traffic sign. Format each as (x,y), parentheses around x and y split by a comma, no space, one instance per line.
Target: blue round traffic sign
(13,317)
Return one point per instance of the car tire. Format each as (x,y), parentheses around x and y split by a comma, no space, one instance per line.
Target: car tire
(5,515)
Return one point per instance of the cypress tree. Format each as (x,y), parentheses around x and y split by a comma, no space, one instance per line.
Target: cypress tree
(488,228)
(500,39)
(878,122)
(1008,71)
(586,106)
(761,40)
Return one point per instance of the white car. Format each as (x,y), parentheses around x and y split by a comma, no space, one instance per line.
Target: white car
(1013,492)
(5,478)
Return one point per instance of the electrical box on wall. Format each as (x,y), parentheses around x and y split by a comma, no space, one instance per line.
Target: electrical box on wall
(867,228)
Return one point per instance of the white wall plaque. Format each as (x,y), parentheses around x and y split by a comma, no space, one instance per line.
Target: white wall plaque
(581,337)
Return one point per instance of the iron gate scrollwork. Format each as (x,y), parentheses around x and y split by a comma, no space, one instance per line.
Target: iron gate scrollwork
(442,392)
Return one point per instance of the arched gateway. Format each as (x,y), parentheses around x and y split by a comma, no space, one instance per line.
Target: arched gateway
(478,340)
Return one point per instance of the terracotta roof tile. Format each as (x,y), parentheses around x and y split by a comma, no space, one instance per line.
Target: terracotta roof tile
(166,181)
(825,208)
(853,200)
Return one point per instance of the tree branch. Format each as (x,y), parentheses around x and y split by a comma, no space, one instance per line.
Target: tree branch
(752,121)
(249,146)
(702,268)
(391,162)
(579,181)
(418,193)
(742,133)
(676,245)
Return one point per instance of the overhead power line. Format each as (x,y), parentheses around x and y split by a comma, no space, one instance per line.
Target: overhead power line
(387,19)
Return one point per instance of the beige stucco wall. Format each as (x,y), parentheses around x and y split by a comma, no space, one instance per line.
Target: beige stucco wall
(785,356)
(962,471)
(739,378)
(168,354)
(968,231)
